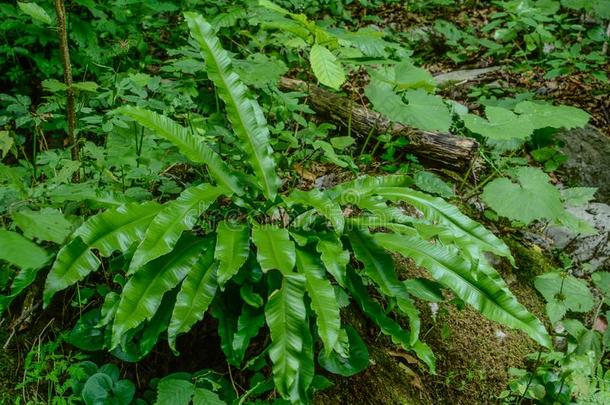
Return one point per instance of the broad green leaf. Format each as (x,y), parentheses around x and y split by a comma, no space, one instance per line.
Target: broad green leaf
(323,299)
(6,143)
(542,115)
(176,217)
(465,230)
(174,391)
(322,203)
(202,396)
(86,86)
(326,67)
(142,295)
(387,325)
(274,249)
(334,257)
(577,196)
(287,319)
(530,197)
(422,110)
(36,12)
(48,224)
(260,70)
(195,296)
(602,282)
(379,267)
(562,293)
(489,295)
(232,249)
(501,123)
(244,113)
(12,249)
(112,230)
(193,147)
(431,183)
(409,76)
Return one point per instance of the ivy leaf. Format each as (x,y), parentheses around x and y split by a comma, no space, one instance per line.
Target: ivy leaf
(326,67)
(48,224)
(529,197)
(36,12)
(501,123)
(542,115)
(564,293)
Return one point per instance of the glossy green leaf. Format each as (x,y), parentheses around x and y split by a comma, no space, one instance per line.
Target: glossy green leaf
(357,358)
(176,217)
(323,300)
(321,203)
(244,113)
(112,230)
(334,256)
(144,291)
(249,324)
(232,249)
(193,147)
(274,249)
(487,294)
(387,325)
(196,294)
(287,319)
(379,267)
(326,67)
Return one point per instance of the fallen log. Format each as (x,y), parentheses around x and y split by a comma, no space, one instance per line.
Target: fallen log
(436,149)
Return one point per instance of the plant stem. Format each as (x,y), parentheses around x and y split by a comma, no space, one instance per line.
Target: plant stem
(65,57)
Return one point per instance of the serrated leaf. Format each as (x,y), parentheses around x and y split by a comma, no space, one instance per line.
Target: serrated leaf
(36,12)
(202,396)
(530,197)
(286,316)
(602,281)
(501,123)
(482,289)
(565,293)
(48,224)
(176,217)
(323,299)
(112,230)
(195,296)
(326,67)
(542,115)
(173,391)
(244,113)
(274,249)
(232,249)
(193,147)
(322,204)
(142,295)
(54,85)
(86,86)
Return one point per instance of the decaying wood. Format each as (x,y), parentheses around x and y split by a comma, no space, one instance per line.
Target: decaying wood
(436,149)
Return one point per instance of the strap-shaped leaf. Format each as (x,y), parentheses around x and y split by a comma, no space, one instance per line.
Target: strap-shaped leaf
(287,319)
(197,292)
(334,256)
(193,147)
(274,249)
(249,323)
(326,67)
(144,291)
(244,114)
(112,230)
(322,203)
(387,326)
(438,210)
(323,299)
(379,267)
(350,192)
(176,217)
(493,299)
(232,249)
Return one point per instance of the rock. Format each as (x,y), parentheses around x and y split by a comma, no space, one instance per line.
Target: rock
(592,252)
(588,151)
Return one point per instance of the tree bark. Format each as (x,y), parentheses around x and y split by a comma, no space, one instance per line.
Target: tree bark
(70,105)
(436,149)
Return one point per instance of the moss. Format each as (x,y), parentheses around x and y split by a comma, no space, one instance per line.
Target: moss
(530,261)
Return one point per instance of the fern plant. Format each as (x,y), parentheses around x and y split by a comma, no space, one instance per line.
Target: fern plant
(284,258)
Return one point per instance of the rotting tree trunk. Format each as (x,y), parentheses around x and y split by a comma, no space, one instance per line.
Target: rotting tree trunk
(437,149)
(65,57)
